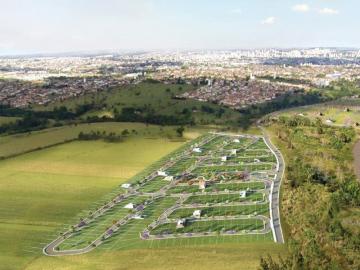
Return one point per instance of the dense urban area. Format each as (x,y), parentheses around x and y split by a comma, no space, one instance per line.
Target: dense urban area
(232,78)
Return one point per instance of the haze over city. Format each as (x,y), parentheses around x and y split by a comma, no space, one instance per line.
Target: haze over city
(41,26)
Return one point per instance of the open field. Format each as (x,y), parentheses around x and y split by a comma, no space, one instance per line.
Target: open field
(243,255)
(43,190)
(339,113)
(6,119)
(157,96)
(20,143)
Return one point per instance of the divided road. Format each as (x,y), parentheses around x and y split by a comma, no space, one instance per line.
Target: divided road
(275,197)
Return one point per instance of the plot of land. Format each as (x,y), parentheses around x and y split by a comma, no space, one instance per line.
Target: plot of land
(196,193)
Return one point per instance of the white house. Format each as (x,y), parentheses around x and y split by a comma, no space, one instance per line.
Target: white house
(196,150)
(202,184)
(181,223)
(126,186)
(236,140)
(256,160)
(129,206)
(329,121)
(242,193)
(224,158)
(161,173)
(233,152)
(169,178)
(197,214)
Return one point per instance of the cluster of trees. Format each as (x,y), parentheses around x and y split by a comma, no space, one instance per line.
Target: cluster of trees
(148,115)
(32,120)
(103,135)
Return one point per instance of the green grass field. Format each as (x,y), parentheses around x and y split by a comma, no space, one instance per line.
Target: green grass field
(20,143)
(6,119)
(335,112)
(210,226)
(155,95)
(261,209)
(43,190)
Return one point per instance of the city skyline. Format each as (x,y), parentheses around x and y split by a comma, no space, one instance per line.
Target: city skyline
(38,26)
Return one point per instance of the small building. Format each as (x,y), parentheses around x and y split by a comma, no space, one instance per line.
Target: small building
(202,184)
(329,121)
(197,214)
(236,141)
(129,206)
(181,223)
(256,160)
(161,173)
(169,178)
(243,193)
(126,186)
(233,152)
(224,158)
(196,150)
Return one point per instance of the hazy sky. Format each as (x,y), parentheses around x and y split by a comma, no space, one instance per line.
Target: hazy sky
(30,26)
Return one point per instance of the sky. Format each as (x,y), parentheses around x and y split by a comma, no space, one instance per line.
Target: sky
(54,26)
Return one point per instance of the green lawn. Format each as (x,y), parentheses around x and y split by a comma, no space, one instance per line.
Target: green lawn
(260,209)
(218,187)
(210,226)
(20,143)
(7,119)
(223,198)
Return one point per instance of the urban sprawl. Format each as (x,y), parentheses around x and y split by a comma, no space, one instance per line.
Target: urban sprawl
(233,78)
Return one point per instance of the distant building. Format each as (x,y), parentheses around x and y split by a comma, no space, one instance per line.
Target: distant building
(197,150)
(197,214)
(202,183)
(126,186)
(181,223)
(161,173)
(243,193)
(233,152)
(224,158)
(169,178)
(129,206)
(236,140)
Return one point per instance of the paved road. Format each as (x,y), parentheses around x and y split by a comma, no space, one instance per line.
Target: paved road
(275,211)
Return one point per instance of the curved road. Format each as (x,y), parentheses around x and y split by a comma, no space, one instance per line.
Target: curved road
(275,194)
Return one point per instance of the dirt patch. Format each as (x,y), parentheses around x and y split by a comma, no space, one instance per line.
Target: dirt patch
(356,154)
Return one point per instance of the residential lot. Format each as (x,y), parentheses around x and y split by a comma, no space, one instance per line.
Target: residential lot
(213,189)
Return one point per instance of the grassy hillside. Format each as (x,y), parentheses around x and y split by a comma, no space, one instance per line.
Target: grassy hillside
(340,113)
(157,97)
(25,142)
(319,194)
(6,119)
(221,256)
